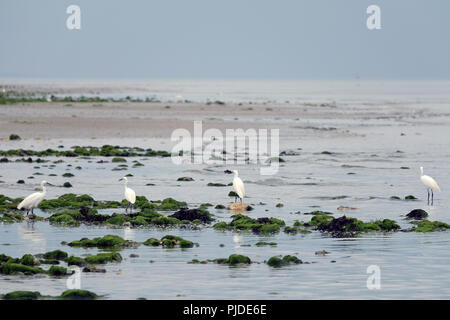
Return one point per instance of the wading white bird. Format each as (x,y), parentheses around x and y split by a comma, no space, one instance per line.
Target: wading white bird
(130,195)
(238,186)
(430,183)
(33,200)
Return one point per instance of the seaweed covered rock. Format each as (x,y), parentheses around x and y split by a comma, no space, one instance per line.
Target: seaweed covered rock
(169,241)
(349,227)
(277,262)
(57,271)
(260,225)
(234,259)
(11,268)
(109,241)
(429,226)
(75,261)
(22,295)
(264,243)
(76,294)
(56,254)
(193,214)
(104,257)
(417,214)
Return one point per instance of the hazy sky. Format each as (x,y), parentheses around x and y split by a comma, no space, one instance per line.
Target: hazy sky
(225,39)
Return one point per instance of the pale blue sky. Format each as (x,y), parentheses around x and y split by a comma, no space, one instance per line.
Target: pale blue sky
(225,39)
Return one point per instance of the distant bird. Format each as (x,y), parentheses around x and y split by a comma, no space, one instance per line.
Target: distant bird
(130,195)
(34,199)
(238,186)
(430,183)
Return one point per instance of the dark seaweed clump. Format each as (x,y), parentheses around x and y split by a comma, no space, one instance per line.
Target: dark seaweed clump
(343,227)
(78,151)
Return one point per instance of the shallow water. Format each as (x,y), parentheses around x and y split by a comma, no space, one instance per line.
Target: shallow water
(413,265)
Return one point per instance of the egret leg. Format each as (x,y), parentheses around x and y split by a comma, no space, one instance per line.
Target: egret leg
(428,192)
(32,211)
(432,197)
(131,207)
(235,199)
(28,211)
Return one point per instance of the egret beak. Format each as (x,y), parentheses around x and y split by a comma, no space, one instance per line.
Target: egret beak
(120,179)
(49,184)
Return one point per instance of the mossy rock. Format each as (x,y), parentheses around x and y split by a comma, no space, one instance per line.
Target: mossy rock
(260,225)
(108,241)
(220,207)
(56,254)
(139,221)
(117,219)
(102,258)
(11,268)
(75,261)
(417,214)
(63,219)
(234,259)
(164,221)
(349,227)
(185,179)
(264,243)
(193,214)
(410,197)
(169,241)
(57,271)
(27,260)
(171,204)
(118,159)
(152,242)
(277,262)
(76,294)
(22,295)
(318,213)
(429,226)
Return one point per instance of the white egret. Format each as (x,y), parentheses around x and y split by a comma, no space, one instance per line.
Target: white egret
(130,195)
(430,183)
(238,186)
(34,199)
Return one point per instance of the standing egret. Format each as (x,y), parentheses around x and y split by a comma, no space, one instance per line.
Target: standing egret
(130,195)
(238,186)
(33,200)
(430,183)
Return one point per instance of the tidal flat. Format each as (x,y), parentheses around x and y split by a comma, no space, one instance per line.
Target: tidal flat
(348,149)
